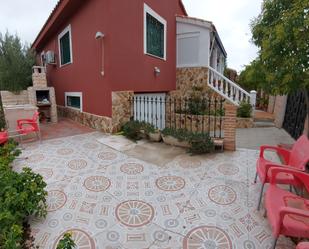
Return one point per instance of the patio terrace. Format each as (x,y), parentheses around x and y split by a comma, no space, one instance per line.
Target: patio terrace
(111,199)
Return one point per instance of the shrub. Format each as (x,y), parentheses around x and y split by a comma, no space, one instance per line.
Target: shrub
(201,143)
(148,128)
(21,195)
(66,242)
(132,130)
(244,110)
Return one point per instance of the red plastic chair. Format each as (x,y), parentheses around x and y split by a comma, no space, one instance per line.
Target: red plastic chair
(4,137)
(303,245)
(288,213)
(27,126)
(297,158)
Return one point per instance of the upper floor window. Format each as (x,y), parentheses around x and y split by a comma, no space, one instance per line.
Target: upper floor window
(154,33)
(65,46)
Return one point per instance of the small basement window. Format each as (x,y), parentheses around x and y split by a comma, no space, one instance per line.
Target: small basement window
(74,100)
(154,33)
(65,46)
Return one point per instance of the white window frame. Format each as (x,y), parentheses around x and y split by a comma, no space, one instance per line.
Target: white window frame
(148,10)
(74,94)
(67,29)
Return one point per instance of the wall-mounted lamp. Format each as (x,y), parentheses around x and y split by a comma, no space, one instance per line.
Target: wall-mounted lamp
(99,36)
(157,71)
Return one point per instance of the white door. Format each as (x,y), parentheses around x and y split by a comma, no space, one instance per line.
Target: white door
(150,107)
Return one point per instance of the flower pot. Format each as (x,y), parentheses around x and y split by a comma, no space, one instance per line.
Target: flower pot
(155,136)
(175,142)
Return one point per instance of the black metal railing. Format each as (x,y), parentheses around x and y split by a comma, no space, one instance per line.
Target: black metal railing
(196,114)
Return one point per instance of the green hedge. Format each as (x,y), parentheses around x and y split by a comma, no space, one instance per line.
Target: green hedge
(21,195)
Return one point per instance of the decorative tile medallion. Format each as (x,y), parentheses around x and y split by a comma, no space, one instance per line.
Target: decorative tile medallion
(208,237)
(170,183)
(132,168)
(81,239)
(222,195)
(228,169)
(77,164)
(55,200)
(134,213)
(107,155)
(97,183)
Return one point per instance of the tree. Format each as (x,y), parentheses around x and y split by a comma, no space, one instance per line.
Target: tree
(253,77)
(281,32)
(16,61)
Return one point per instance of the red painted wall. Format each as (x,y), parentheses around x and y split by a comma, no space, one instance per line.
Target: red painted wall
(126,65)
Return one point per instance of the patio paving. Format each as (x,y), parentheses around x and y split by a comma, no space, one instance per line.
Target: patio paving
(112,199)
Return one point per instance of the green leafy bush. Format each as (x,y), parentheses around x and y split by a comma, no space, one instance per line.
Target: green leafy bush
(201,143)
(66,242)
(21,195)
(132,130)
(244,110)
(148,128)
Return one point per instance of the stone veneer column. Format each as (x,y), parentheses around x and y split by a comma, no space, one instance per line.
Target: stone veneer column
(230,127)
(121,108)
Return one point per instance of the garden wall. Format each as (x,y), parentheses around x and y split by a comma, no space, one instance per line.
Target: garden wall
(10,98)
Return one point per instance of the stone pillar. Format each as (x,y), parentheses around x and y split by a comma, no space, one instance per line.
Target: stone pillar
(230,127)
(121,108)
(253,99)
(279,111)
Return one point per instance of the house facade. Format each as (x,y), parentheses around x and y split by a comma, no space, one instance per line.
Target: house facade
(98,53)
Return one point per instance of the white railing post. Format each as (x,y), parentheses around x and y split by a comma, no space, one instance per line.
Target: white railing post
(253,98)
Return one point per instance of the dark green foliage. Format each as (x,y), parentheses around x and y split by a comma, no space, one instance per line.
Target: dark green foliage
(2,118)
(244,110)
(21,195)
(197,106)
(16,61)
(148,128)
(66,242)
(201,143)
(132,130)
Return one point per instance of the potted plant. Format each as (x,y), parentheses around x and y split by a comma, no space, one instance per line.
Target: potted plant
(152,133)
(176,137)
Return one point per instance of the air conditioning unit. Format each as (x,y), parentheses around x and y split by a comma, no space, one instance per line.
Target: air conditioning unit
(50,57)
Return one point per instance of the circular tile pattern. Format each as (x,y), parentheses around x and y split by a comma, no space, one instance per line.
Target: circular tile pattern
(210,213)
(46,173)
(228,169)
(208,237)
(35,158)
(189,163)
(97,183)
(170,183)
(171,223)
(77,164)
(53,223)
(65,151)
(81,239)
(90,145)
(160,236)
(101,224)
(248,244)
(107,156)
(55,142)
(222,195)
(113,236)
(55,200)
(132,168)
(134,213)
(67,216)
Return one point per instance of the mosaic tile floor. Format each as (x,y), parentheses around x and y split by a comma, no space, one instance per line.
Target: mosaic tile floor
(110,200)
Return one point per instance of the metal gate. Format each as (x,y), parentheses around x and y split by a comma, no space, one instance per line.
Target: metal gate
(150,107)
(295,114)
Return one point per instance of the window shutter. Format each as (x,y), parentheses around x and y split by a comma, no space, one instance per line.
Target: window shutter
(155,36)
(65,49)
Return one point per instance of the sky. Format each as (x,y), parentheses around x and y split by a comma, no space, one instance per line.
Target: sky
(231,18)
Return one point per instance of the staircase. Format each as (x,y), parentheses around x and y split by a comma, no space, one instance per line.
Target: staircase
(263,119)
(229,89)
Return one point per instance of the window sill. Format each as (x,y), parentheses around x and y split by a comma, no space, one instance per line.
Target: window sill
(67,64)
(74,108)
(157,57)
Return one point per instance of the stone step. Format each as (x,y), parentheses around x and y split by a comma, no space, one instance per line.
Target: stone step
(265,119)
(261,124)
